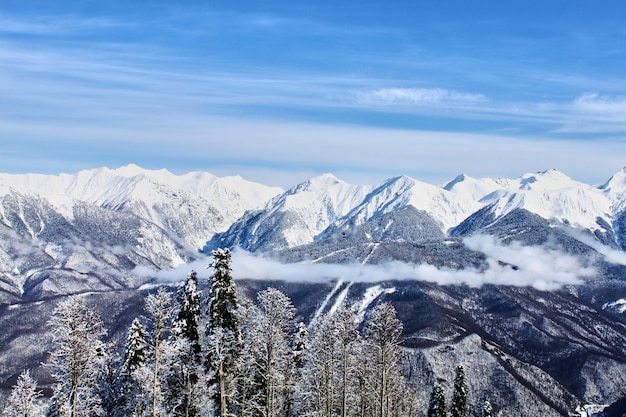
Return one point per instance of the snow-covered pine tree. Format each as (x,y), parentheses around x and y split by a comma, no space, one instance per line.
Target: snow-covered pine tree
(184,395)
(437,404)
(382,333)
(459,396)
(223,333)
(24,398)
(487,410)
(135,350)
(160,312)
(300,345)
(298,352)
(76,357)
(130,400)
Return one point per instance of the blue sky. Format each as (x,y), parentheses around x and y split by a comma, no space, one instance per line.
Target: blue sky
(279,91)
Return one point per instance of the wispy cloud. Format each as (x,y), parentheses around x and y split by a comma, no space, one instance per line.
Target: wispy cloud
(543,268)
(602,105)
(418,96)
(52,25)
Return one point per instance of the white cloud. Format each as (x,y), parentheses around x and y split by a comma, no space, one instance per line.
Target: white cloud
(611,255)
(601,104)
(543,268)
(418,96)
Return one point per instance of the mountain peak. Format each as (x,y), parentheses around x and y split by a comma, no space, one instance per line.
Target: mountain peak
(457,180)
(616,182)
(319,183)
(550,179)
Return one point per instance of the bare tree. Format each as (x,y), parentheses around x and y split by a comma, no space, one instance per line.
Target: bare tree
(274,329)
(382,333)
(160,311)
(76,357)
(24,398)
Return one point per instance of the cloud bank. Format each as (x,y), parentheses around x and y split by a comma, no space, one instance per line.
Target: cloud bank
(540,267)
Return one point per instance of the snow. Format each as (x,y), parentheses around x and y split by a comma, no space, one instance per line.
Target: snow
(370,295)
(448,208)
(615,190)
(311,207)
(619,306)
(113,188)
(549,194)
(314,205)
(330,295)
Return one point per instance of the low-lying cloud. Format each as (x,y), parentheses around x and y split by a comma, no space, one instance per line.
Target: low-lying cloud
(541,267)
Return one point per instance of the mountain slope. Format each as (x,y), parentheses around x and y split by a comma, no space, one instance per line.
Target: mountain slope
(520,280)
(293,218)
(90,231)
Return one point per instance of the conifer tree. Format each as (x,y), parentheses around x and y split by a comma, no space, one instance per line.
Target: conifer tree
(135,349)
(223,333)
(459,396)
(76,357)
(300,345)
(129,399)
(437,404)
(298,353)
(183,374)
(23,400)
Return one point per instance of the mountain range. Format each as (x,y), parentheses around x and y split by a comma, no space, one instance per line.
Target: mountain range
(522,280)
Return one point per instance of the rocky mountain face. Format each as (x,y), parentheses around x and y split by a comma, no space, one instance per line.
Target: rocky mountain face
(522,280)
(92,231)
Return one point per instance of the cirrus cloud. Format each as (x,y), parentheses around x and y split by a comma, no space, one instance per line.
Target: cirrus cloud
(418,96)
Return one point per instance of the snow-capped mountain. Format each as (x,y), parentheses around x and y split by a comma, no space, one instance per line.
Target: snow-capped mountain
(89,231)
(301,215)
(159,196)
(529,348)
(295,217)
(553,196)
(447,208)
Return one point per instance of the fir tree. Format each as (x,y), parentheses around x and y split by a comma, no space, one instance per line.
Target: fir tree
(437,405)
(223,333)
(300,346)
(459,396)
(23,400)
(135,349)
(183,376)
(128,396)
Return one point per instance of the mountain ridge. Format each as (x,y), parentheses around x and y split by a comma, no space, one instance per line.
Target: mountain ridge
(515,283)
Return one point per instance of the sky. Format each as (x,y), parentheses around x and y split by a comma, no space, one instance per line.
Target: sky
(279,91)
